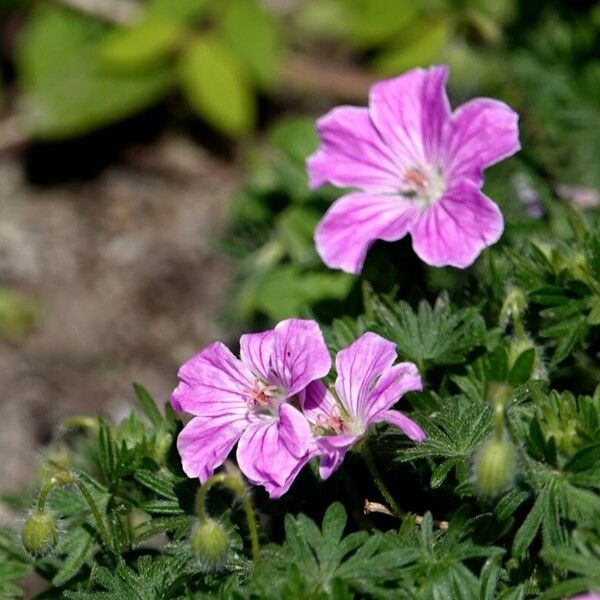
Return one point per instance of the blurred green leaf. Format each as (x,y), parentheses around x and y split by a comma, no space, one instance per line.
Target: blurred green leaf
(285,292)
(18,314)
(296,138)
(144,45)
(182,10)
(65,90)
(214,83)
(376,21)
(254,38)
(295,227)
(424,48)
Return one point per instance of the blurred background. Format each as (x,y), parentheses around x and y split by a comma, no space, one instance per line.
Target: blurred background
(152,187)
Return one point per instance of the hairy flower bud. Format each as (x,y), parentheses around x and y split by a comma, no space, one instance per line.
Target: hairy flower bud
(210,544)
(40,533)
(494,467)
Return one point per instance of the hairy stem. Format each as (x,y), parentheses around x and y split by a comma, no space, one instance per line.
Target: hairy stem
(44,492)
(368,458)
(95,512)
(247,503)
(202,494)
(252,527)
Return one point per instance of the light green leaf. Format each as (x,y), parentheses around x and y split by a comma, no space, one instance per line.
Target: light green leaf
(424,49)
(376,21)
(295,227)
(66,92)
(181,10)
(142,46)
(254,38)
(287,291)
(214,84)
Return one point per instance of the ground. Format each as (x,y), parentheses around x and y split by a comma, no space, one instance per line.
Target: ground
(127,270)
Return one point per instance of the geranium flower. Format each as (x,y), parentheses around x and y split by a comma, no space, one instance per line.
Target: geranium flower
(367,385)
(250,400)
(416,167)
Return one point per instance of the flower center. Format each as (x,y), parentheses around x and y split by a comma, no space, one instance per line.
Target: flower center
(330,425)
(423,184)
(264,398)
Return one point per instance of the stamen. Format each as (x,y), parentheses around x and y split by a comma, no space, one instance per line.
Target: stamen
(261,395)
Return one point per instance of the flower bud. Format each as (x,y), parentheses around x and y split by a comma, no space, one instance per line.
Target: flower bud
(494,467)
(40,533)
(210,544)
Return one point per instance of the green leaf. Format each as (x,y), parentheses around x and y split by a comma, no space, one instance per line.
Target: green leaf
(523,367)
(181,10)
(107,453)
(528,530)
(66,92)
(295,228)
(148,405)
(425,48)
(438,334)
(254,38)
(19,314)
(439,474)
(142,46)
(79,550)
(214,83)
(156,483)
(376,21)
(10,573)
(288,290)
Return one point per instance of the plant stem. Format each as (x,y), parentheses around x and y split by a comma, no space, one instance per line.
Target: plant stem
(499,421)
(202,493)
(252,528)
(247,503)
(368,458)
(43,495)
(95,512)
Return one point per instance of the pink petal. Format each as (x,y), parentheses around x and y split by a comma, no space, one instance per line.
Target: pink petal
(480,133)
(355,222)
(358,367)
(410,112)
(318,402)
(455,229)
(352,153)
(332,449)
(205,442)
(214,382)
(400,379)
(299,355)
(397,419)
(256,350)
(272,452)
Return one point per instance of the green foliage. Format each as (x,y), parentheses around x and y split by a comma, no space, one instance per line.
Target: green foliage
(77,74)
(508,349)
(65,89)
(215,86)
(18,314)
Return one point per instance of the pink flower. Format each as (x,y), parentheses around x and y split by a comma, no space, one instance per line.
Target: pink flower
(250,400)
(417,168)
(590,596)
(366,387)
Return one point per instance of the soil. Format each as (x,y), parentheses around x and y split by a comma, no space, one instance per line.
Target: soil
(131,283)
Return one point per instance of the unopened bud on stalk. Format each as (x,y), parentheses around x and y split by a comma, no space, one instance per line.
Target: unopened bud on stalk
(40,533)
(210,544)
(494,467)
